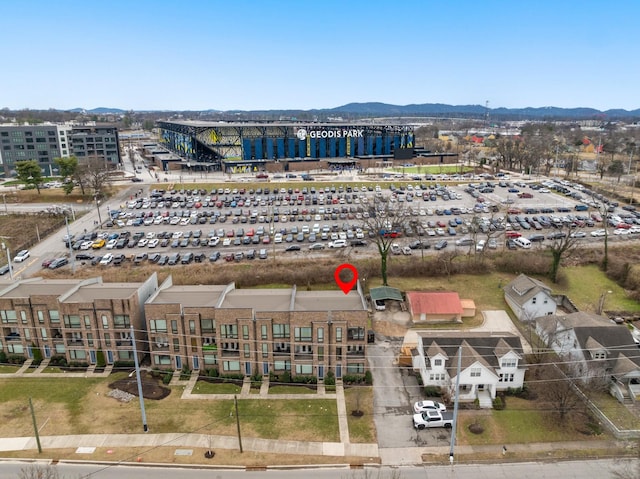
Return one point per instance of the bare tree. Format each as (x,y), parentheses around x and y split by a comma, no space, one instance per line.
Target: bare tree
(95,175)
(561,245)
(558,390)
(386,219)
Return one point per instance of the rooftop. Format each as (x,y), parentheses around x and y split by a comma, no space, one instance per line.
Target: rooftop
(92,292)
(424,302)
(39,286)
(258,299)
(328,301)
(191,295)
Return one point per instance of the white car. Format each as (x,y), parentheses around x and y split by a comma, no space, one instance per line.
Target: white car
(339,243)
(143,242)
(596,233)
(153,243)
(106,259)
(214,240)
(21,256)
(86,245)
(422,406)
(111,243)
(226,242)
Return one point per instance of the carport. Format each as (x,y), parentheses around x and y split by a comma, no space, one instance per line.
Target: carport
(385,293)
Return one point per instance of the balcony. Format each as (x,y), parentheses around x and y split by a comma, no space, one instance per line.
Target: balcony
(12,337)
(157,346)
(124,342)
(282,352)
(303,356)
(356,353)
(230,353)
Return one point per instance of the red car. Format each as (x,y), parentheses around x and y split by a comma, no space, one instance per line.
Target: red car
(512,234)
(525,195)
(262,175)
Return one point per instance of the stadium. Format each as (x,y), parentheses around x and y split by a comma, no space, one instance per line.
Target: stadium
(280,146)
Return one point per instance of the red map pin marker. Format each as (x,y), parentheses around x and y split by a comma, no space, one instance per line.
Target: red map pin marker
(346,286)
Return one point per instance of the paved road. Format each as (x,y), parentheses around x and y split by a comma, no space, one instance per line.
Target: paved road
(602,469)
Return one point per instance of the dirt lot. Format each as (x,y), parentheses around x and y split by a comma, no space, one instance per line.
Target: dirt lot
(152,388)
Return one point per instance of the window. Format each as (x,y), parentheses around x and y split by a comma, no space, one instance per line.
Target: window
(355,333)
(281,331)
(356,368)
(192,326)
(304,368)
(508,363)
(107,339)
(229,331)
(437,362)
(245,331)
(23,316)
(90,339)
(506,378)
(210,359)
(263,332)
(338,354)
(158,325)
(8,316)
(43,333)
(176,344)
(123,321)
(600,355)
(15,348)
(60,348)
(125,355)
(174,326)
(282,365)
(208,325)
(321,335)
(320,353)
(338,335)
(162,360)
(231,365)
(475,372)
(77,354)
(87,322)
(265,350)
(303,334)
(247,351)
(194,344)
(71,321)
(533,300)
(105,322)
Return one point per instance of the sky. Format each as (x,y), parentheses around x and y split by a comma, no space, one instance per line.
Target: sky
(269,54)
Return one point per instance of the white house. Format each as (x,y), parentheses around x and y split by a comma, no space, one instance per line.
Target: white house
(599,348)
(491,362)
(529,298)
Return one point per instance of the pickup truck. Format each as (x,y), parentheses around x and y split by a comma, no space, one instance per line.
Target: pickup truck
(433,418)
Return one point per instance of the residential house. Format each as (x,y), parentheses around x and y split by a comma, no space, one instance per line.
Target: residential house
(529,298)
(489,363)
(436,307)
(600,350)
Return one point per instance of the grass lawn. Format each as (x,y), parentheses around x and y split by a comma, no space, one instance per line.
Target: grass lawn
(519,423)
(617,413)
(82,406)
(8,369)
(291,390)
(361,429)
(584,286)
(205,387)
(52,369)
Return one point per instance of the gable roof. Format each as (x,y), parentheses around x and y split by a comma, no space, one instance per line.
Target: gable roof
(423,302)
(615,339)
(523,288)
(476,347)
(553,322)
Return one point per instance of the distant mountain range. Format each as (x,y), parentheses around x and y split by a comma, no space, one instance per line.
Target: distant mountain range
(377,109)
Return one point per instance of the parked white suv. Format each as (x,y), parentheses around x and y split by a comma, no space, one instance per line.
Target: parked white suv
(339,243)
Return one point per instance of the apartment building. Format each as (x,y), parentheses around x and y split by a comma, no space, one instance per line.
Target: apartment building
(46,142)
(257,330)
(76,319)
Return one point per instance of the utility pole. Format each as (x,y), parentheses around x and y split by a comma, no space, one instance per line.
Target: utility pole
(71,257)
(139,380)
(235,400)
(35,426)
(455,407)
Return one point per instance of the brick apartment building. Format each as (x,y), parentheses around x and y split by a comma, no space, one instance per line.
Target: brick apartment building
(257,330)
(74,318)
(200,327)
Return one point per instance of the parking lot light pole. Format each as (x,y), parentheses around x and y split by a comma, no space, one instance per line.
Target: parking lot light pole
(98,208)
(5,247)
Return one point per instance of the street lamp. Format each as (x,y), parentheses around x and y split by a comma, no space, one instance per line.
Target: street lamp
(5,247)
(98,207)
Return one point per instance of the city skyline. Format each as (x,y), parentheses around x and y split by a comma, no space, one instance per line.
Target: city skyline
(276,55)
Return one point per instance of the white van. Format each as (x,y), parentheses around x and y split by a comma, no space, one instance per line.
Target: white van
(523,242)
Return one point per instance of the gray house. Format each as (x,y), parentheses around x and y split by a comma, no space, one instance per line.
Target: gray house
(600,348)
(529,298)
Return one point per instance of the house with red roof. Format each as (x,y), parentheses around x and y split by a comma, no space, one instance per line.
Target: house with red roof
(438,306)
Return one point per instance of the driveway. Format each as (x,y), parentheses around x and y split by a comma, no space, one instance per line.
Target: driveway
(395,391)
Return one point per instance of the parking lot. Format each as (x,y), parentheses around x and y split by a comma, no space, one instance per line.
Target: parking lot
(239,224)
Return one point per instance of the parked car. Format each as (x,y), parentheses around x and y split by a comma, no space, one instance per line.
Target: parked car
(422,406)
(58,263)
(21,256)
(292,247)
(440,245)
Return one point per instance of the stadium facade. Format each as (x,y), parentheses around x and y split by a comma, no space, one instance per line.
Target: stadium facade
(250,146)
